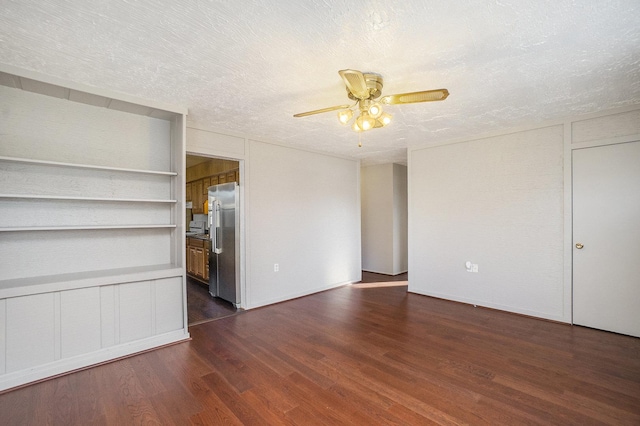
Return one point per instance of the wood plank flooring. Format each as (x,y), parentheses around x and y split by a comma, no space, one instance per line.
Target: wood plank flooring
(355,356)
(202,307)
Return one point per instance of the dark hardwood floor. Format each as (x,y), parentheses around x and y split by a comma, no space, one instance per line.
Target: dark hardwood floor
(355,356)
(372,277)
(202,307)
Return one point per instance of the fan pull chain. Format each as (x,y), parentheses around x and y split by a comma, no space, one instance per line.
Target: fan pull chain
(359,139)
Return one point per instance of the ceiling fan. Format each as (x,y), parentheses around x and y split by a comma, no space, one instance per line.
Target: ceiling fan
(364,89)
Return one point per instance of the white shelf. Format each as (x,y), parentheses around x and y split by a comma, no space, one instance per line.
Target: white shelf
(81,228)
(92,254)
(60,282)
(85,166)
(72,198)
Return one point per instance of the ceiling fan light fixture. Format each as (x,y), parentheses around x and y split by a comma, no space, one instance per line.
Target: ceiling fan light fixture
(375,110)
(345,115)
(365,89)
(385,118)
(365,122)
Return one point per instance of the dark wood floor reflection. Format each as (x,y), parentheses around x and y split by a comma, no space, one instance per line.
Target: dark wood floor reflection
(372,277)
(202,307)
(364,356)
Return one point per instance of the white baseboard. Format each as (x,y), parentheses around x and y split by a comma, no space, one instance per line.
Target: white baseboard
(22,377)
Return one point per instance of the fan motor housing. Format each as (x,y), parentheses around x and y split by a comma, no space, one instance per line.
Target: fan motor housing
(374,84)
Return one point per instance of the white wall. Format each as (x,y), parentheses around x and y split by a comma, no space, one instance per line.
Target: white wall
(400,220)
(504,202)
(497,202)
(384,218)
(377,218)
(301,211)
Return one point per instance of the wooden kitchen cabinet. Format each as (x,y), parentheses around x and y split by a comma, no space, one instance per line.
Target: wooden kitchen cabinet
(198,259)
(197,191)
(187,257)
(191,264)
(197,198)
(187,193)
(206,263)
(199,263)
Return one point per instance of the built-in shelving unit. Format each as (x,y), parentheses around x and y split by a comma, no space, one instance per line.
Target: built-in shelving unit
(62,282)
(69,198)
(82,228)
(85,166)
(92,230)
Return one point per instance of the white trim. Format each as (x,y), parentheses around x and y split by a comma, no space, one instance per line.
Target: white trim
(85,166)
(410,220)
(526,127)
(206,128)
(3,336)
(261,139)
(44,78)
(498,306)
(82,228)
(358,166)
(243,234)
(74,198)
(609,141)
(569,147)
(604,113)
(291,296)
(567,253)
(57,325)
(51,283)
(242,195)
(246,219)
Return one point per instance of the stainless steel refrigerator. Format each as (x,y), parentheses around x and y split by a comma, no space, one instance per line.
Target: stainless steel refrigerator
(224,255)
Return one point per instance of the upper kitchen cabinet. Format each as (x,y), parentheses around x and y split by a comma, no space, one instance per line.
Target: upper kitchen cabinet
(205,173)
(92,232)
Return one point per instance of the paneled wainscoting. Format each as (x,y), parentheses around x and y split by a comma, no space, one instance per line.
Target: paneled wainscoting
(356,355)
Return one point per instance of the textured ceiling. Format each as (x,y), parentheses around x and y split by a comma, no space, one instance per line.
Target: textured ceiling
(245,67)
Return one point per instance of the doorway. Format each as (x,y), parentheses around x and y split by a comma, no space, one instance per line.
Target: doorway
(384,221)
(606,237)
(201,173)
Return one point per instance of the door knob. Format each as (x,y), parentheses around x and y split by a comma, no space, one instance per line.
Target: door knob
(579,246)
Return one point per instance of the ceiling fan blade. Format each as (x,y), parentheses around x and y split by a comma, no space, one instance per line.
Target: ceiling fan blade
(320,111)
(414,97)
(355,82)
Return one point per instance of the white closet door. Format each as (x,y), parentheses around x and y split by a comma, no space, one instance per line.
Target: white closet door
(606,238)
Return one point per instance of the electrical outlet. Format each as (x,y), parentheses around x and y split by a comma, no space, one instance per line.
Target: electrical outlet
(276,267)
(471,267)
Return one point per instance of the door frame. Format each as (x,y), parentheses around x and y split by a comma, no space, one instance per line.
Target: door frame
(203,142)
(569,147)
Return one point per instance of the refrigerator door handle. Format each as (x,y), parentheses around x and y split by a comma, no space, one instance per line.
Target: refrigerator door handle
(216,238)
(210,215)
